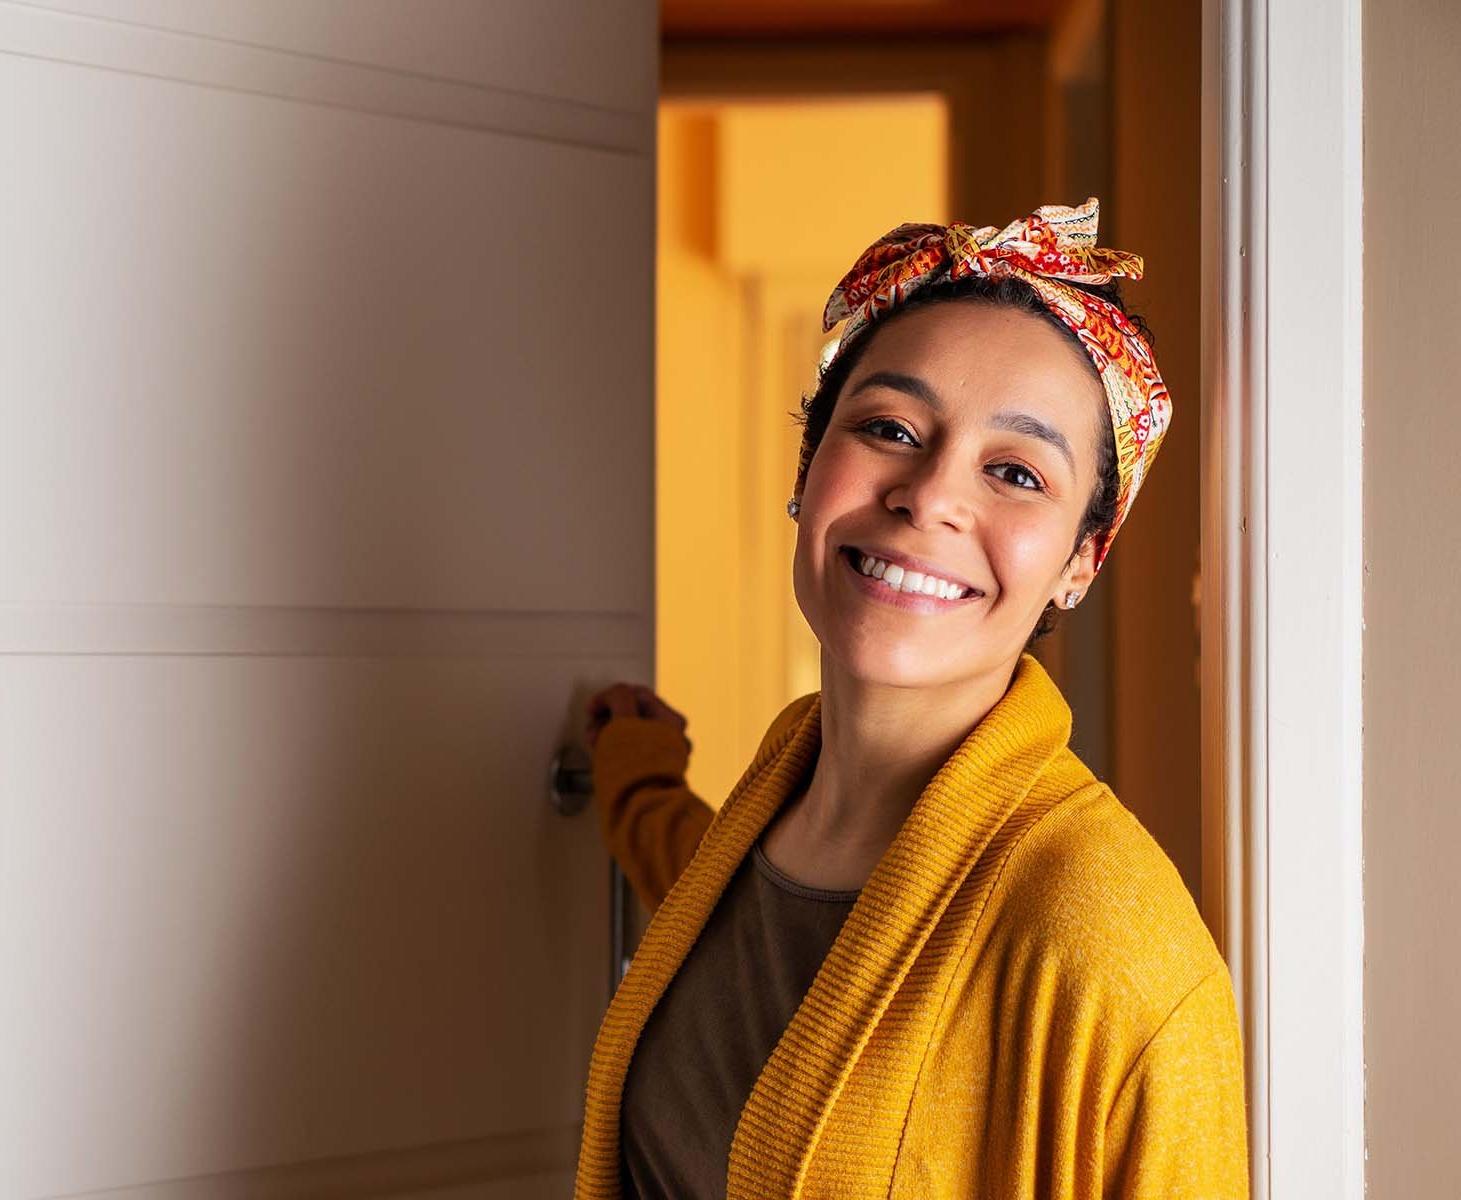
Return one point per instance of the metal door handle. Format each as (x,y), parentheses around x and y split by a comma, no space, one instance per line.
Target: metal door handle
(570,787)
(571,780)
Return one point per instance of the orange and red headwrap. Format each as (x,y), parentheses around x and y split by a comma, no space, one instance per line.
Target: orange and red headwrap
(1050,249)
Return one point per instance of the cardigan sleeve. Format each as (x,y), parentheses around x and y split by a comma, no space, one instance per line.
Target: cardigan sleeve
(1177,1128)
(650,819)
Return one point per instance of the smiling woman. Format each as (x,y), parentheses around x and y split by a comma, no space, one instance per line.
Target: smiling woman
(965,410)
(1012,296)
(921,950)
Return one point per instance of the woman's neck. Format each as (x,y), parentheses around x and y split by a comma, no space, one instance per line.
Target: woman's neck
(880,747)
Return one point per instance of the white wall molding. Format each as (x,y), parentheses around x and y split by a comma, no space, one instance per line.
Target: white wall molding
(1282,553)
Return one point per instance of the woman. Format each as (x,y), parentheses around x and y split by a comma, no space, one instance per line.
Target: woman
(921,950)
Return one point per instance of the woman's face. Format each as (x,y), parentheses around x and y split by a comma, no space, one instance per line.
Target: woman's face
(962,445)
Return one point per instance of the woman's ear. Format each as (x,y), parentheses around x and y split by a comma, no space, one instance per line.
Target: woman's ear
(1077,576)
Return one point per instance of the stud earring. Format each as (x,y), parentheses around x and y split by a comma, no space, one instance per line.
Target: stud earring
(1071,598)
(793,506)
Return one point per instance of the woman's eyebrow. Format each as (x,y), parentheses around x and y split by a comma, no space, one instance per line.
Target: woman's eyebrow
(1016,422)
(899,382)
(1032,426)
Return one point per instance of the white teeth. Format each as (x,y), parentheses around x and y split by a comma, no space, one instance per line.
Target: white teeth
(902,580)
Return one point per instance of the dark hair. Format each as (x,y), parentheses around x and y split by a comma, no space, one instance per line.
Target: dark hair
(1006,291)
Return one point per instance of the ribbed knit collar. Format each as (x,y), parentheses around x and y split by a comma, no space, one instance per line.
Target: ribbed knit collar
(951,823)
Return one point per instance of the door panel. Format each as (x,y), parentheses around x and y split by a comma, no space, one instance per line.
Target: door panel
(325,484)
(294,355)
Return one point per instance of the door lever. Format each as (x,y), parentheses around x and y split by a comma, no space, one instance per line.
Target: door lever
(570,787)
(571,780)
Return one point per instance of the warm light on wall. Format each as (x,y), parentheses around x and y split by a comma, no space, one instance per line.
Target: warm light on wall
(763,204)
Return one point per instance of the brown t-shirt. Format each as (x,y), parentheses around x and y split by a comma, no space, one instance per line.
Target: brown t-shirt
(716,1024)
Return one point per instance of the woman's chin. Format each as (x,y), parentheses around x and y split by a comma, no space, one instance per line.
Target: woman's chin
(896,666)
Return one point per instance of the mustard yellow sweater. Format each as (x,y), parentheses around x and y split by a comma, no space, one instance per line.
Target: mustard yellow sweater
(1023,1003)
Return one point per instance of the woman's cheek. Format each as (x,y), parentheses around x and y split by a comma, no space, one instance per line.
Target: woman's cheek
(834,474)
(803,572)
(1025,551)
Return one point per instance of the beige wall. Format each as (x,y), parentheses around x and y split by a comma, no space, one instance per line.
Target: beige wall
(1412,685)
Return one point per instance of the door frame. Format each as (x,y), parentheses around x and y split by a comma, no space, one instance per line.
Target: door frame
(1283,570)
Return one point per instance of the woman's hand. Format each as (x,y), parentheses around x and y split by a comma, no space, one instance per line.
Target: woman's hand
(627,700)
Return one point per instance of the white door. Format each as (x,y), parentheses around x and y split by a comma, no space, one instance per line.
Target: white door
(325,487)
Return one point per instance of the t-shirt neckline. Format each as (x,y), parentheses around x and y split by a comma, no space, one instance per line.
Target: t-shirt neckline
(787,884)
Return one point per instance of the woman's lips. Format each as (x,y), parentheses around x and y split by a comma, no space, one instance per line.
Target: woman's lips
(911,601)
(909,563)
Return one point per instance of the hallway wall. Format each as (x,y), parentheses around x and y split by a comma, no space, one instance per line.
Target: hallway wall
(1155,205)
(1412,689)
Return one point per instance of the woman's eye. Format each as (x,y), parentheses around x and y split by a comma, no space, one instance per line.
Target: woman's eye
(1021,477)
(1034,485)
(887,423)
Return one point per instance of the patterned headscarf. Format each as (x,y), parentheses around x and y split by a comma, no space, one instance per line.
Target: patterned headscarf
(1050,249)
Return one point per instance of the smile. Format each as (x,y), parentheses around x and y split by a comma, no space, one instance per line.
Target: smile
(903,587)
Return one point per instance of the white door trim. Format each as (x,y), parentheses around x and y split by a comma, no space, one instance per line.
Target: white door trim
(1283,571)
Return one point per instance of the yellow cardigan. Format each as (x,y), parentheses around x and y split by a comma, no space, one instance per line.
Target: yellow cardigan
(1023,1002)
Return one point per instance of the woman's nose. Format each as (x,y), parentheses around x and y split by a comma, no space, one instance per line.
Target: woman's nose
(936,492)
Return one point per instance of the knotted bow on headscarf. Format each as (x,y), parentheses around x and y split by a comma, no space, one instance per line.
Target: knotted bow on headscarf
(1051,249)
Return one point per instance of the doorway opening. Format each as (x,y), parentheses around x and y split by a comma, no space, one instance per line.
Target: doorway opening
(744,265)
(777,158)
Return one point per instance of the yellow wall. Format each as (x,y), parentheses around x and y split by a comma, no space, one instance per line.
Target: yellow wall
(762,207)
